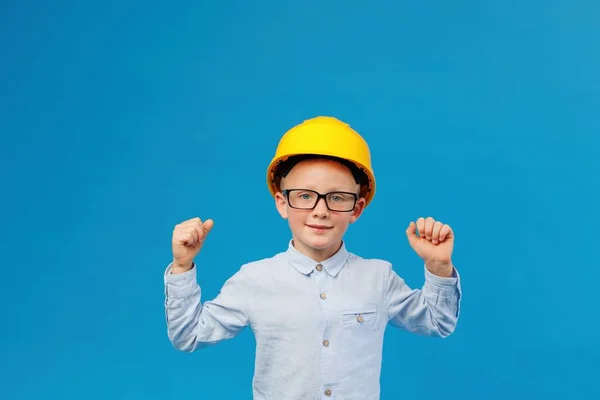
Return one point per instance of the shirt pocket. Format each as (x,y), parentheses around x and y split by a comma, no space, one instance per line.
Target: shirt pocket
(364,317)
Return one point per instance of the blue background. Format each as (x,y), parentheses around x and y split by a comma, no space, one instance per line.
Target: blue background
(120,119)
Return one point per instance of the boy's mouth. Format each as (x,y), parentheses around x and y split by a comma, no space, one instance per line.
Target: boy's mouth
(319,226)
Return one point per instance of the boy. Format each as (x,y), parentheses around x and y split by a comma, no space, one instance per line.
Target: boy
(318,312)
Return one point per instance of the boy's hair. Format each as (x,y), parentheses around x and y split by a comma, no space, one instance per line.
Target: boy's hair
(284,168)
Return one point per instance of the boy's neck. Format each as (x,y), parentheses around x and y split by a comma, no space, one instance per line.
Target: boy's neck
(318,255)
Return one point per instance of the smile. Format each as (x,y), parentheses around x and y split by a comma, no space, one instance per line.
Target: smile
(323,227)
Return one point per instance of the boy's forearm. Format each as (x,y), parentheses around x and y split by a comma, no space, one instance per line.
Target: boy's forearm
(193,324)
(443,294)
(433,310)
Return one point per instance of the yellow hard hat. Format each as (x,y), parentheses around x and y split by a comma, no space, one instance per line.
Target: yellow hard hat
(324,136)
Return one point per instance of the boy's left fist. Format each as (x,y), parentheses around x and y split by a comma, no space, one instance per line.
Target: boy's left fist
(434,244)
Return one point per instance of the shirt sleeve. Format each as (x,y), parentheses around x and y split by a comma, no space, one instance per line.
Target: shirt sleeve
(192,324)
(432,310)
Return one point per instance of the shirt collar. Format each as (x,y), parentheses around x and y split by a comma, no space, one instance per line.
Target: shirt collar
(306,265)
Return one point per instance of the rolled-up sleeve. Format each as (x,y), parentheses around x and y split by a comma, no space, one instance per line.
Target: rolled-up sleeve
(432,310)
(192,324)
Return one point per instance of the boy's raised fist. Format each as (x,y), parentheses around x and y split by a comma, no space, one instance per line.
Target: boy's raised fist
(434,244)
(187,241)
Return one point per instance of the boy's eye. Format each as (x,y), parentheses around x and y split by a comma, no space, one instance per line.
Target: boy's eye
(305,195)
(337,197)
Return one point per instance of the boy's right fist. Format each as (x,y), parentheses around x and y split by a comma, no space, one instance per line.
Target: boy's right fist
(188,238)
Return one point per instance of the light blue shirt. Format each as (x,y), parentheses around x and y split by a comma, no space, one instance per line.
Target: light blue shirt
(319,327)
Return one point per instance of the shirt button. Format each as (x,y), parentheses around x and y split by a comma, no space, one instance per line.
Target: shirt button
(326,343)
(323,296)
(319,267)
(360,318)
(327,392)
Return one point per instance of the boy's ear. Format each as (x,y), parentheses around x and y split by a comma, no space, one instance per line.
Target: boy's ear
(280,203)
(358,210)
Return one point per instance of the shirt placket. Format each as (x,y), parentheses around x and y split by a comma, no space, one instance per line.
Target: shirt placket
(322,283)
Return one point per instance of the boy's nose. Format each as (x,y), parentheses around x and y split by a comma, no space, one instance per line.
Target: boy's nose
(321,209)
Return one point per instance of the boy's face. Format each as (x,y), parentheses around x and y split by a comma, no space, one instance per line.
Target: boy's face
(318,231)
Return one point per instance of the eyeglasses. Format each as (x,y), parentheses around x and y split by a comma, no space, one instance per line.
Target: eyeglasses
(305,199)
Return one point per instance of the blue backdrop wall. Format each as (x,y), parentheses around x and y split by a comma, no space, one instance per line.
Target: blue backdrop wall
(120,119)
